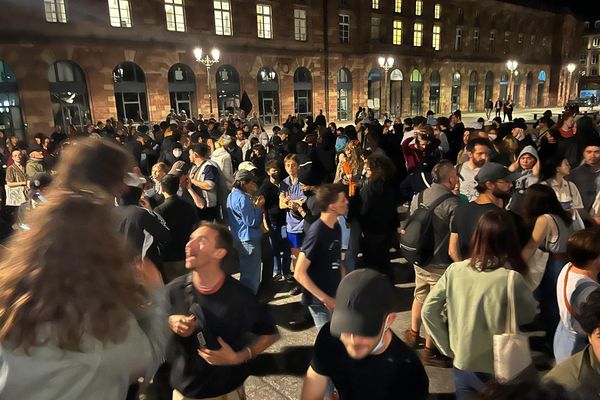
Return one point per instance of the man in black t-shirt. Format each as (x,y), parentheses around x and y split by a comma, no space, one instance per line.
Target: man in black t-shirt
(318,268)
(494,185)
(218,324)
(358,352)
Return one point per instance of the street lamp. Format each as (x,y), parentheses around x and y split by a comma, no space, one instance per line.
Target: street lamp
(386,64)
(512,66)
(208,61)
(571,67)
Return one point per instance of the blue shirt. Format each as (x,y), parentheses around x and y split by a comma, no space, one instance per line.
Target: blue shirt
(294,223)
(244,219)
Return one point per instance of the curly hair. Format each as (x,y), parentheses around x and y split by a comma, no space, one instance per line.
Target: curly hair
(353,153)
(66,277)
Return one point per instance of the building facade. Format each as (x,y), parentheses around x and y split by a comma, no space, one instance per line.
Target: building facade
(73,62)
(589,64)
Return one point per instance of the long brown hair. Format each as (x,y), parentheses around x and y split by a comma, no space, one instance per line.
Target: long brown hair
(495,243)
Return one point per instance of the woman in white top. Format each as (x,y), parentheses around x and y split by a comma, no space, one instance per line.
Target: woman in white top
(576,281)
(555,171)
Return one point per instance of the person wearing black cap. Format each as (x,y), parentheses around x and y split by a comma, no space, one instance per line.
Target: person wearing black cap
(35,163)
(319,268)
(358,351)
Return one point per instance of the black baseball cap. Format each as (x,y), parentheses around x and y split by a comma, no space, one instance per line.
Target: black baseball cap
(363,299)
(492,171)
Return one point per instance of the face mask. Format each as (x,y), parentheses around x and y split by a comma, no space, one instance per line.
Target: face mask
(264,142)
(177,153)
(150,192)
(380,344)
(276,176)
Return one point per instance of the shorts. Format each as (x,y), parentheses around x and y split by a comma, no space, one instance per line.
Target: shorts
(425,280)
(295,239)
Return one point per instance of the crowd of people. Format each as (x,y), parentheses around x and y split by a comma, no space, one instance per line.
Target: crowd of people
(96,222)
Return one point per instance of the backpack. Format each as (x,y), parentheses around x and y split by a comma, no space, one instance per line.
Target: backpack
(417,240)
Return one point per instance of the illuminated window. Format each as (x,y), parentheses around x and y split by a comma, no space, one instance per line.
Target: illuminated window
(263,21)
(375,4)
(398,6)
(418,34)
(222,17)
(300,24)
(419,7)
(175,15)
(437,11)
(344,23)
(397,32)
(437,33)
(120,14)
(55,11)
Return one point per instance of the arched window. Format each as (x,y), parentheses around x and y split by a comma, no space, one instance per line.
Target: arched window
(455,98)
(540,88)
(434,92)
(303,92)
(268,95)
(69,95)
(374,91)
(182,89)
(11,118)
(396,78)
(130,92)
(503,86)
(344,88)
(473,81)
(489,86)
(416,92)
(228,89)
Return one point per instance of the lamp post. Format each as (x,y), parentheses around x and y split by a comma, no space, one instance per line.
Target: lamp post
(512,66)
(209,60)
(386,64)
(570,68)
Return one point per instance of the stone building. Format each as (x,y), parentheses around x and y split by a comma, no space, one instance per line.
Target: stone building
(589,65)
(76,61)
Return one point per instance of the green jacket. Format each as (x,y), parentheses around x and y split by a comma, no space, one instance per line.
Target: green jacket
(475,304)
(581,371)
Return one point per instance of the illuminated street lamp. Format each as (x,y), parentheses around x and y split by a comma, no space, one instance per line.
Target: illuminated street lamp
(512,67)
(386,64)
(209,60)
(571,68)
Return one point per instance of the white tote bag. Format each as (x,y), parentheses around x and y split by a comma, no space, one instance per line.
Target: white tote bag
(15,196)
(511,349)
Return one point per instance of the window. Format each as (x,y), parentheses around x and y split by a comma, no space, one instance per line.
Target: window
(593,72)
(263,21)
(300,24)
(397,32)
(597,24)
(587,24)
(476,40)
(520,38)
(418,34)
(419,7)
(594,59)
(437,33)
(583,59)
(344,21)
(458,45)
(506,42)
(532,40)
(175,15)
(437,11)
(477,18)
(375,22)
(492,42)
(55,11)
(398,6)
(222,17)
(375,4)
(460,16)
(120,14)
(596,42)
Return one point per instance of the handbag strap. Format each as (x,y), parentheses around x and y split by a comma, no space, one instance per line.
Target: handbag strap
(511,314)
(566,298)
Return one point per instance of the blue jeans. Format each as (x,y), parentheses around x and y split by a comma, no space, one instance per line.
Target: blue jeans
(320,315)
(281,250)
(250,265)
(467,383)
(546,295)
(353,246)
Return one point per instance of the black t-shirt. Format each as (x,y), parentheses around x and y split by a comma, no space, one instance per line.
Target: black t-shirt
(180,217)
(275,215)
(466,217)
(232,313)
(322,246)
(397,373)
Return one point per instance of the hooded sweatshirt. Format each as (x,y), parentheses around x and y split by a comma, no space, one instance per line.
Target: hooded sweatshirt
(521,184)
(223,160)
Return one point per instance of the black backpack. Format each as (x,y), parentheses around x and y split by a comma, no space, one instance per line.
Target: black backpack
(417,240)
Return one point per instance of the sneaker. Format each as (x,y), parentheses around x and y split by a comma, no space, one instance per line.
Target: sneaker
(289,278)
(278,277)
(433,358)
(295,291)
(412,339)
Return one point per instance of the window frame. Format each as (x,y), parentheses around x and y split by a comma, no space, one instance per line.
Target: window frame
(344,26)
(418,34)
(437,35)
(57,12)
(418,8)
(398,6)
(175,5)
(264,20)
(397,32)
(222,11)
(375,33)
(300,25)
(437,11)
(375,4)
(458,39)
(119,9)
